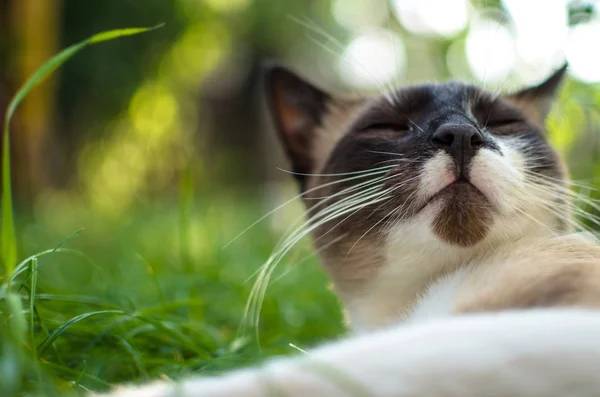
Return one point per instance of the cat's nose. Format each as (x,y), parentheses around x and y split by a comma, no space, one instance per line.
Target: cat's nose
(461,141)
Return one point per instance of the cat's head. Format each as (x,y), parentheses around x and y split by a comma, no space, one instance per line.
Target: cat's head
(419,179)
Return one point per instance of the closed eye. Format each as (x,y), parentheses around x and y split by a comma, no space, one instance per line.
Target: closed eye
(502,122)
(386,126)
(508,126)
(502,117)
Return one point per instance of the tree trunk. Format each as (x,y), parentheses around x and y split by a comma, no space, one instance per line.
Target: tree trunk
(33,35)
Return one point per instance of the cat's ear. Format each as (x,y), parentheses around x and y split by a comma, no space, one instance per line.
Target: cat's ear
(537,101)
(297,108)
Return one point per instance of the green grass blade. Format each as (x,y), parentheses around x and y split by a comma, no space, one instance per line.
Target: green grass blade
(32,289)
(43,327)
(55,62)
(22,266)
(11,357)
(186,198)
(135,355)
(17,324)
(113,34)
(8,235)
(79,375)
(8,239)
(60,330)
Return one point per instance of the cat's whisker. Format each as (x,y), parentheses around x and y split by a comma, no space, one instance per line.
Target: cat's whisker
(553,189)
(313,253)
(361,172)
(553,198)
(399,161)
(367,173)
(567,186)
(398,186)
(588,217)
(415,124)
(326,198)
(394,93)
(330,208)
(485,74)
(356,201)
(270,266)
(393,154)
(341,209)
(368,184)
(545,226)
(398,211)
(556,181)
(384,201)
(346,201)
(572,221)
(383,218)
(547,181)
(310,25)
(396,214)
(564,194)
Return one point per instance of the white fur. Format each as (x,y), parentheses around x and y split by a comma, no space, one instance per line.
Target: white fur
(415,256)
(438,301)
(436,175)
(537,353)
(499,177)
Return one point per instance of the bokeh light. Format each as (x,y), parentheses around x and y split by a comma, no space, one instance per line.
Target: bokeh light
(373,60)
(228,5)
(358,14)
(434,17)
(541,29)
(584,59)
(490,50)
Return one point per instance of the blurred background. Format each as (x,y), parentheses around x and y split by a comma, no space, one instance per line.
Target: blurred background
(148,154)
(118,123)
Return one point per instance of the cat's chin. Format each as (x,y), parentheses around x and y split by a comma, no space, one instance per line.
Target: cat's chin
(464,214)
(454,190)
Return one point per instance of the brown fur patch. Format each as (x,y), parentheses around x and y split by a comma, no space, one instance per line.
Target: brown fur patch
(465,216)
(561,271)
(350,265)
(340,114)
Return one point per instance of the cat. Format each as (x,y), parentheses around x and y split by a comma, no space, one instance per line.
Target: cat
(444,219)
(460,180)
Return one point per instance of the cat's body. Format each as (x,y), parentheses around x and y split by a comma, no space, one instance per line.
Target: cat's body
(527,273)
(430,207)
(541,353)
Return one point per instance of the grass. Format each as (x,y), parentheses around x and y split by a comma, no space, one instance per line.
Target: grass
(120,302)
(149,294)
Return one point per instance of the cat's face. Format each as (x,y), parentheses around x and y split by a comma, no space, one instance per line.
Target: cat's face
(443,170)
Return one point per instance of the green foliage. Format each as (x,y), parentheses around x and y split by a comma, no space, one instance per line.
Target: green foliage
(151,303)
(8,237)
(145,307)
